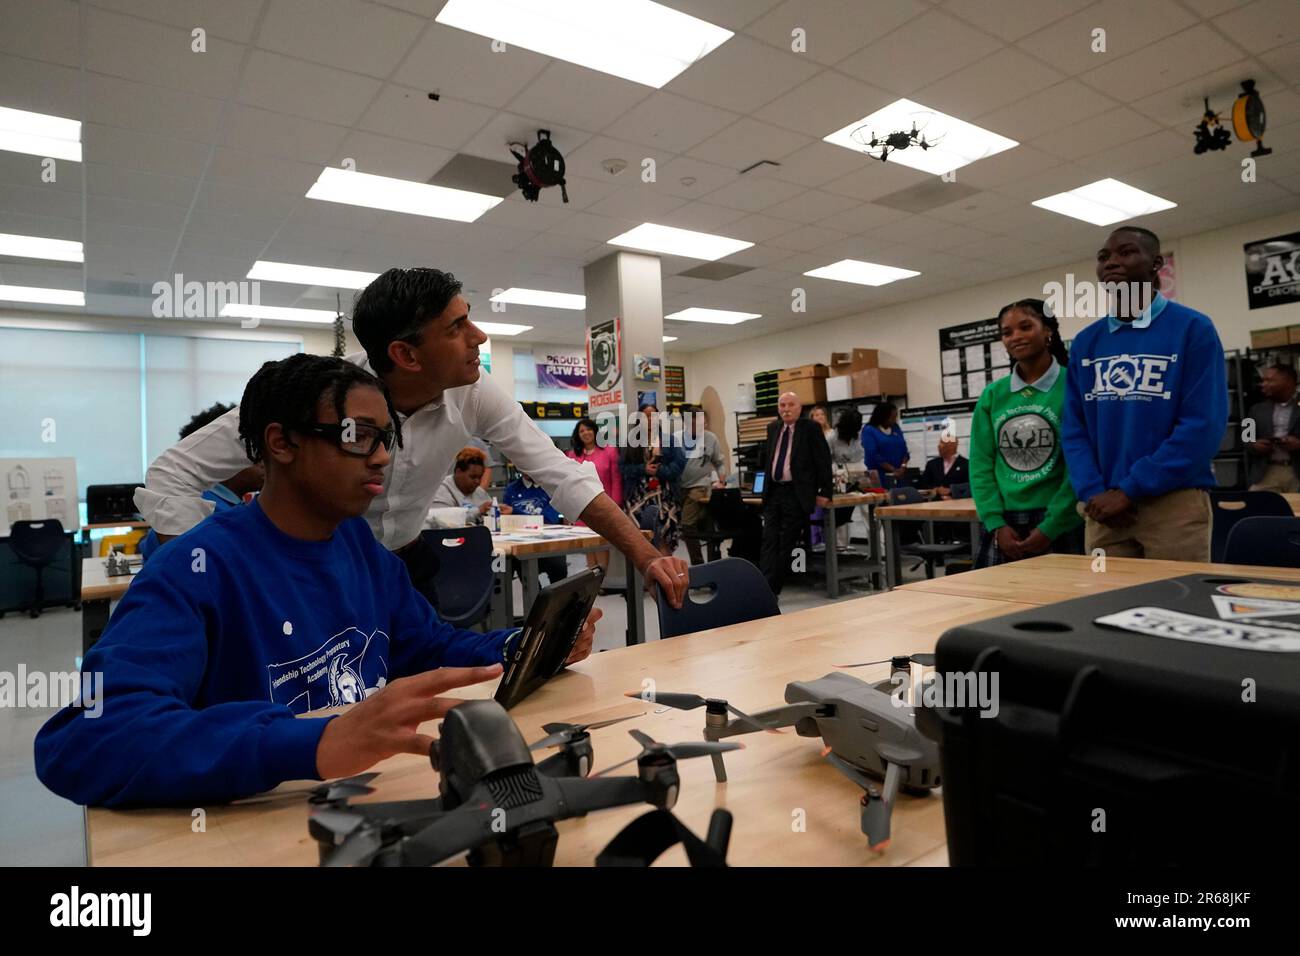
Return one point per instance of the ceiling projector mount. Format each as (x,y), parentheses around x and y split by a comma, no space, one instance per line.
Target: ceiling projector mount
(539,167)
(879,147)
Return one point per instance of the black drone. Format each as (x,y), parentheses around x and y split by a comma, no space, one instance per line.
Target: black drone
(539,167)
(1211,134)
(495,802)
(869,738)
(893,141)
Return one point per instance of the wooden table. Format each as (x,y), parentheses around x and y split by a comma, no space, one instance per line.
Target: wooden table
(1049,578)
(777,782)
(834,574)
(951,509)
(527,554)
(98,591)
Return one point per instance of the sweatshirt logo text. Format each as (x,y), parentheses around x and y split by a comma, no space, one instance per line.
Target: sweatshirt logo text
(1128,377)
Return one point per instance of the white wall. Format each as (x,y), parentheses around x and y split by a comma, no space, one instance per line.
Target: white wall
(1210,275)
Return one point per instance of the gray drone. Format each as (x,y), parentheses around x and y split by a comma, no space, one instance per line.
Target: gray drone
(868,736)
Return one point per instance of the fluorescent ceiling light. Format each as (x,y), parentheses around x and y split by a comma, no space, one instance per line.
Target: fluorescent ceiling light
(1104,202)
(501,328)
(310,275)
(863,273)
(400,195)
(26,293)
(34,247)
(239,310)
(638,40)
(670,338)
(678,242)
(40,134)
(551,300)
(713,316)
(953,143)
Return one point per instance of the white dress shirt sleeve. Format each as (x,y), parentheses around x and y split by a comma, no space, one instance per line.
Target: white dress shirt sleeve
(171,500)
(497,417)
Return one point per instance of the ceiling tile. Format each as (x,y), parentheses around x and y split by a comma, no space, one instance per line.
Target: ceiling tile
(1285,62)
(806,238)
(1127,156)
(145,215)
(398,158)
(1006,166)
(35,201)
(920,52)
(231,19)
(120,183)
(818,163)
(585,225)
(876,179)
(578,97)
(262,204)
(987,85)
(862,217)
(701,217)
(827,102)
(492,141)
(149,52)
(43,225)
(1096,134)
(249,169)
(669,122)
(278,134)
(40,87)
(1046,110)
(143,151)
(462,65)
(755,228)
(747,141)
(973,209)
(518,213)
(408,113)
(1168,62)
(832,28)
(754,195)
(642,202)
(1012,19)
(1067,44)
(730,14)
(809,207)
(363,37)
(1262,25)
(742,75)
(316,92)
(585,160)
(42,31)
(700,177)
(115,102)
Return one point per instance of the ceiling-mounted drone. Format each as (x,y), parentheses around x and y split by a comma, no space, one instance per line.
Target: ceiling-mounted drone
(869,737)
(892,141)
(495,802)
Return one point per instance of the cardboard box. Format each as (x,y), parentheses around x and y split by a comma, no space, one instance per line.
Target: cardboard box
(1293,334)
(1268,338)
(816,370)
(839,388)
(878,381)
(810,390)
(858,360)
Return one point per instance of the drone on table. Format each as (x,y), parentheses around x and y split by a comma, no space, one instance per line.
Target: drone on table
(892,141)
(495,802)
(869,737)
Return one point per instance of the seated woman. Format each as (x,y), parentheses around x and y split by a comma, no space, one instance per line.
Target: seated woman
(263,613)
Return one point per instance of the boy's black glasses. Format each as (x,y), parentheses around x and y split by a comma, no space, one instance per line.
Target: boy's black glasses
(365,439)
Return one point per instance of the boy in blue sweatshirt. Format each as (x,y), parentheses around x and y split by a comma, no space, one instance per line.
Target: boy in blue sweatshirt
(1146,408)
(262,613)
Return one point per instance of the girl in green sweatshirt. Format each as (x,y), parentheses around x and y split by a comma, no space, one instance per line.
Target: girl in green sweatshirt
(1017,470)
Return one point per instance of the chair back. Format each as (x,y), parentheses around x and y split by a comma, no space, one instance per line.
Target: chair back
(1271,541)
(37,543)
(1229,507)
(905,495)
(724,592)
(465,578)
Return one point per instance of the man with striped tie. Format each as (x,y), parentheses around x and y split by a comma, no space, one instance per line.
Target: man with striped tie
(798,465)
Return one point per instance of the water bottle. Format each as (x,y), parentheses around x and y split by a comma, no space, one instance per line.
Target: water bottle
(496,516)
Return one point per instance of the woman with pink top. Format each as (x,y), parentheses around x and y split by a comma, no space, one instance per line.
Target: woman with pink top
(607,467)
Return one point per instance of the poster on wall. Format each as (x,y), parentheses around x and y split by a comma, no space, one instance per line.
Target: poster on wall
(1273,271)
(649,368)
(39,488)
(971,356)
(1168,277)
(605,366)
(563,370)
(675,384)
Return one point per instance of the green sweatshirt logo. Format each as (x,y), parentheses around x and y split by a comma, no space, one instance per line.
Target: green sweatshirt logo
(1027,441)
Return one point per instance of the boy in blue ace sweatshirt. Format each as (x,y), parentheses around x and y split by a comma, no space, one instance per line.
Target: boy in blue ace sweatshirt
(1146,408)
(262,613)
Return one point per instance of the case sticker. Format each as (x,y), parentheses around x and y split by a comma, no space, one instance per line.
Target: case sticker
(1162,622)
(1240,609)
(1253,589)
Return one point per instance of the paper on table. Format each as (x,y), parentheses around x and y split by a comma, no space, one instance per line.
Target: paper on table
(974,357)
(951,361)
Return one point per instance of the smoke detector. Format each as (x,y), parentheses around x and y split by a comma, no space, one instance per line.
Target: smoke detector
(613,166)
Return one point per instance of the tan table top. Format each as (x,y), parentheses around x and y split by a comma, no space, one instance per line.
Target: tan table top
(115,524)
(838,501)
(952,509)
(1049,578)
(775,776)
(96,585)
(541,546)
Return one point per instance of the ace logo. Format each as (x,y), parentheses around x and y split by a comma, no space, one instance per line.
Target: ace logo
(1128,377)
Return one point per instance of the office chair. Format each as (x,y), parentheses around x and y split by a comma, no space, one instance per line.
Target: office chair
(1229,507)
(930,554)
(465,580)
(36,544)
(737,592)
(1271,541)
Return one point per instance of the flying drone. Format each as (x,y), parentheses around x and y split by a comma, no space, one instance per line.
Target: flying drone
(869,737)
(893,141)
(495,802)
(540,167)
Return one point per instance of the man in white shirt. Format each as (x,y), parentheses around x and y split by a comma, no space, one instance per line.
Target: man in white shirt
(414,326)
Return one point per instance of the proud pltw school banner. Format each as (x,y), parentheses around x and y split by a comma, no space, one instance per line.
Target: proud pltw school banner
(563,371)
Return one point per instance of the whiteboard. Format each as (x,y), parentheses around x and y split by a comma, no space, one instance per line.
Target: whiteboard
(38,488)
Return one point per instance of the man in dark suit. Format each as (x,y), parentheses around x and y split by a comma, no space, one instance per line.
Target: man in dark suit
(947,470)
(798,465)
(1273,459)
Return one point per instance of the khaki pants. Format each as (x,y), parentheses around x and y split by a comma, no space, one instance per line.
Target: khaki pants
(695,517)
(1169,527)
(1278,478)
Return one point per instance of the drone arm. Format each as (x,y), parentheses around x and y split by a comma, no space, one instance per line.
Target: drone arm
(786,716)
(459,830)
(580,795)
(556,765)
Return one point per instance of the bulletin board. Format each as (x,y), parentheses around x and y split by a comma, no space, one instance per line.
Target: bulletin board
(923,427)
(971,356)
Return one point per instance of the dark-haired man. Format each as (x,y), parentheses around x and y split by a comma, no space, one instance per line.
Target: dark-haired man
(1274,463)
(224,494)
(266,612)
(418,338)
(1146,405)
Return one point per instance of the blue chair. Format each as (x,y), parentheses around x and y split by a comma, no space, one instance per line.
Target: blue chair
(930,554)
(960,490)
(465,579)
(738,592)
(1229,507)
(1274,542)
(36,544)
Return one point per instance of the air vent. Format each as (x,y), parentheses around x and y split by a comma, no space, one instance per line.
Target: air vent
(926,196)
(123,289)
(715,271)
(477,175)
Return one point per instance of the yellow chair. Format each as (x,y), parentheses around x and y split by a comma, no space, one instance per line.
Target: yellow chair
(129,542)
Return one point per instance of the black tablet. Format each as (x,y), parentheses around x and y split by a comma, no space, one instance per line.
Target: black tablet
(549,634)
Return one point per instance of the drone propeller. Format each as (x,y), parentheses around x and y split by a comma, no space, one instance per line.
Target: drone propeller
(925,660)
(357,786)
(682,751)
(693,701)
(561,733)
(360,841)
